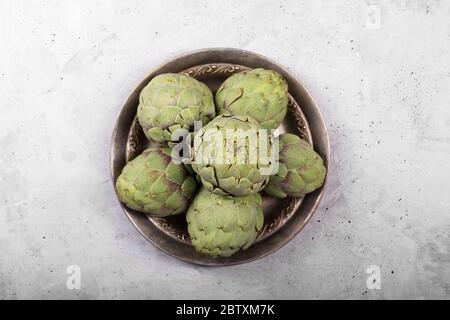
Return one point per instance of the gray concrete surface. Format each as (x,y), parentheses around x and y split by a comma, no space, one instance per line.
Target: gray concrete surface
(379,70)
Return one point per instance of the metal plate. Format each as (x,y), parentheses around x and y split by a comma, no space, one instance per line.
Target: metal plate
(283,218)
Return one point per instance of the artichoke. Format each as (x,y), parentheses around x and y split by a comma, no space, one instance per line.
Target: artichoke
(228,162)
(153,184)
(301,169)
(221,225)
(259,93)
(173,101)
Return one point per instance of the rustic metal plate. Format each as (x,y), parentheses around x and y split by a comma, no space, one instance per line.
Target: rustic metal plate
(283,218)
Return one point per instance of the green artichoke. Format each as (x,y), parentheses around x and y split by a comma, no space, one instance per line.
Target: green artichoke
(152,183)
(173,101)
(259,93)
(301,169)
(227,164)
(221,225)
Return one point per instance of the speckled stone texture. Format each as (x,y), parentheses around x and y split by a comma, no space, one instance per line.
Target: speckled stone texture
(379,70)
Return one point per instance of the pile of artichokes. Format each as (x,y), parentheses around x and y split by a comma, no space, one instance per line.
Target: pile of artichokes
(224,214)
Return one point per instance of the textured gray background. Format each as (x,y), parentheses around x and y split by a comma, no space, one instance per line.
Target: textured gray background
(379,71)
